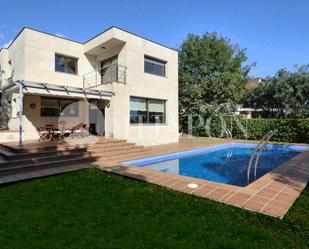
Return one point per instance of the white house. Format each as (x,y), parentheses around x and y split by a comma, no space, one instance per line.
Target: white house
(133,81)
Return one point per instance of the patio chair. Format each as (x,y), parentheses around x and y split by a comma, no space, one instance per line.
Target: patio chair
(66,133)
(54,131)
(44,134)
(56,134)
(80,131)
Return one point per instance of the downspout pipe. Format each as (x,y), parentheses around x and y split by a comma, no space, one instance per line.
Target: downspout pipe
(21,112)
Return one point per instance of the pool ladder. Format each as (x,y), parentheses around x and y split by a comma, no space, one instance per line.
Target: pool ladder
(229,134)
(230,137)
(258,151)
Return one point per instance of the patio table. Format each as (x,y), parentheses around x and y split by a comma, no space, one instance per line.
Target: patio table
(53,131)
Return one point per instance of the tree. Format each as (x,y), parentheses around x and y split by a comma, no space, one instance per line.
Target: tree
(284,95)
(211,75)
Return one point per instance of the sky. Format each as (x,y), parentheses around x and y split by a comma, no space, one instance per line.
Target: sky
(275,33)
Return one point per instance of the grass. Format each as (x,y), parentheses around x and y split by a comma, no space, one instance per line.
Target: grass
(93,209)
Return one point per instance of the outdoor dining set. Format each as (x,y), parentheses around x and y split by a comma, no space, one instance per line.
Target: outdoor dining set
(59,132)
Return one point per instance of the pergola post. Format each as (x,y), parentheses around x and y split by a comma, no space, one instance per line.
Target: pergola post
(21,112)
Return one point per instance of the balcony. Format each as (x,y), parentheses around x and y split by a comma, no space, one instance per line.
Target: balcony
(105,75)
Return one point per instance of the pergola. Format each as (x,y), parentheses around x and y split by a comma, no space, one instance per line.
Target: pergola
(50,89)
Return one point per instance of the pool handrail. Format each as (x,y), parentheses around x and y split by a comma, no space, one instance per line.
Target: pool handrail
(229,134)
(255,151)
(261,150)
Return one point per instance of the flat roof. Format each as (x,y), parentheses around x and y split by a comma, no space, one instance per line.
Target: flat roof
(64,38)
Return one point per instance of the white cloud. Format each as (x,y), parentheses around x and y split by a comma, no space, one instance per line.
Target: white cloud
(60,35)
(5,45)
(2,36)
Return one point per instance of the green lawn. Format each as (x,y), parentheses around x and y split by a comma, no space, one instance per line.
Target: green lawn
(93,209)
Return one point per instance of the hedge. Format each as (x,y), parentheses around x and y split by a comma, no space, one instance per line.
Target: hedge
(288,130)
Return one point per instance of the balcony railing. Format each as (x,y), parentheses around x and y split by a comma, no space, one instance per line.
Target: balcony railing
(105,75)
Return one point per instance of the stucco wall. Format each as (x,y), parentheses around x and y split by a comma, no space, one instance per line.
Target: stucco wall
(33,59)
(5,70)
(17,58)
(146,85)
(40,50)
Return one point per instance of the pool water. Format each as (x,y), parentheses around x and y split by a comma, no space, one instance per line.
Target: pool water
(219,166)
(224,164)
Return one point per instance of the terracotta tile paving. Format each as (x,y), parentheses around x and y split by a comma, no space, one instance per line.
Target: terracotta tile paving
(280,204)
(254,205)
(217,193)
(273,194)
(203,191)
(274,211)
(267,193)
(238,199)
(227,196)
(170,182)
(261,199)
(180,185)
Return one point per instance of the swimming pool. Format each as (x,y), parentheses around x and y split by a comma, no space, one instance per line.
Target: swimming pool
(226,163)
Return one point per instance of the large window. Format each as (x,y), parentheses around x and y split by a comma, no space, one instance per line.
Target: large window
(147,111)
(59,107)
(154,66)
(65,64)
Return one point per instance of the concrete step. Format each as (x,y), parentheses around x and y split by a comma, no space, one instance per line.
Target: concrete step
(56,145)
(44,165)
(91,149)
(64,146)
(30,160)
(26,155)
(6,154)
(44,172)
(53,155)
(7,151)
(7,148)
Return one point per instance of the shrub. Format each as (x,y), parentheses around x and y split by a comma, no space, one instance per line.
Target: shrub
(288,130)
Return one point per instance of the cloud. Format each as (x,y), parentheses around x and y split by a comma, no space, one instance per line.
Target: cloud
(5,45)
(2,36)
(60,35)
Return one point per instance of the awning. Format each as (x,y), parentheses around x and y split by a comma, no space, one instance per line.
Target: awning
(57,90)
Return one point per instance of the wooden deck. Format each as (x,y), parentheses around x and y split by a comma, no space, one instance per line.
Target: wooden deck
(38,159)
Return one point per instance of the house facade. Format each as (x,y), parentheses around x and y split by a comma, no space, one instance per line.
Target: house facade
(131,80)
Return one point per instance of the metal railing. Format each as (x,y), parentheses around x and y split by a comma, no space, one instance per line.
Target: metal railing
(258,149)
(230,137)
(228,133)
(105,75)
